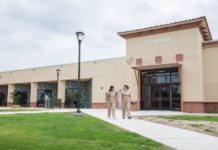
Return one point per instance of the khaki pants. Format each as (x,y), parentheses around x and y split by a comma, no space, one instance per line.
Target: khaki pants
(126,108)
(111,108)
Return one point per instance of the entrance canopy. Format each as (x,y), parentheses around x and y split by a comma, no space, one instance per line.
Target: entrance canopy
(161,66)
(153,67)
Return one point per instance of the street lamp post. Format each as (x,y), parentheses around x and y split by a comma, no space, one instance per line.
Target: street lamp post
(80,37)
(58,74)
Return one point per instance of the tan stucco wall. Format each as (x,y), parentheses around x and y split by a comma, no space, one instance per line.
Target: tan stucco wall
(167,45)
(117,72)
(210,60)
(103,74)
(10,90)
(33,92)
(61,91)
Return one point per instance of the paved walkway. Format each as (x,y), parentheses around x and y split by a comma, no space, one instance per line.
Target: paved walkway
(180,139)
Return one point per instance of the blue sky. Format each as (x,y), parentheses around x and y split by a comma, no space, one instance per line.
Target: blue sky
(37,33)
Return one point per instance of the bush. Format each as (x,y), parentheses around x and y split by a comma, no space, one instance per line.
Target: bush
(15,97)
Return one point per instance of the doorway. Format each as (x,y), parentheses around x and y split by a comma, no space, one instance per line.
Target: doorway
(160,96)
(160,89)
(47,95)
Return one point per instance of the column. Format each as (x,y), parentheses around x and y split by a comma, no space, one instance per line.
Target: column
(33,94)
(10,90)
(61,92)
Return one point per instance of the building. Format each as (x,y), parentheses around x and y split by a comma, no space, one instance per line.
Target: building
(168,67)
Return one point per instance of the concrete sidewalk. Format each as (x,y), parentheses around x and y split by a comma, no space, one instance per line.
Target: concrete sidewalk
(180,139)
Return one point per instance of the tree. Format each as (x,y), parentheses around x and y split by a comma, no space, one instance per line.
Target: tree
(72,96)
(15,97)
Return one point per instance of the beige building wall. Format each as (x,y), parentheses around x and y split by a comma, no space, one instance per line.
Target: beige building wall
(211,73)
(33,94)
(61,91)
(10,90)
(199,81)
(167,45)
(103,73)
(118,71)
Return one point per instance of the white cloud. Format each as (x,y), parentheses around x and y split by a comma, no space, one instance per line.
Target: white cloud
(42,32)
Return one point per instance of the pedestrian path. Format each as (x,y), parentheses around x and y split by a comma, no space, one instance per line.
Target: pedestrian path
(180,139)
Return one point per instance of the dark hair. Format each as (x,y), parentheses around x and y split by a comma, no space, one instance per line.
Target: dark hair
(126,86)
(111,87)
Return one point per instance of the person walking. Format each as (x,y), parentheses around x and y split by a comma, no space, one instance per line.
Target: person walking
(126,101)
(111,97)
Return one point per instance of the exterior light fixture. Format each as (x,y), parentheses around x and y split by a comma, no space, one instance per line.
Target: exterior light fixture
(80,37)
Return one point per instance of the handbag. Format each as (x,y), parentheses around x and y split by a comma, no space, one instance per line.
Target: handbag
(132,103)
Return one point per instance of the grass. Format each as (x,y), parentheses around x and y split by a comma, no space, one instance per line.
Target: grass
(196,125)
(192,118)
(17,110)
(55,131)
(209,130)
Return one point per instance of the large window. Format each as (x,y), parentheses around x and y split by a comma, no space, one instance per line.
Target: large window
(71,94)
(160,89)
(24,91)
(3,95)
(47,95)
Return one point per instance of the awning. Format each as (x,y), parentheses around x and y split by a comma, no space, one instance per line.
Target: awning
(160,66)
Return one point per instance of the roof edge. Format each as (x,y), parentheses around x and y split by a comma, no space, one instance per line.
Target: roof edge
(210,44)
(200,22)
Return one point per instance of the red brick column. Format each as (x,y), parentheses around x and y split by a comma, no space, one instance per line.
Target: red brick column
(62,105)
(33,104)
(98,105)
(9,104)
(136,106)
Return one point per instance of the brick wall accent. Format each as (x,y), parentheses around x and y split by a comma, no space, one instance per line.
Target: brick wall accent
(136,106)
(98,105)
(194,107)
(211,107)
(158,59)
(138,61)
(9,104)
(62,105)
(33,104)
(200,107)
(179,57)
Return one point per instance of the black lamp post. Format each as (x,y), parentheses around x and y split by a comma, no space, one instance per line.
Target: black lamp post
(58,74)
(80,37)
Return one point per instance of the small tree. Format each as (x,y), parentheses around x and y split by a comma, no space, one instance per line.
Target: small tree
(72,96)
(15,97)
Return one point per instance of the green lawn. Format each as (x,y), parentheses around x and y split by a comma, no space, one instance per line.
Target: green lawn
(192,118)
(63,131)
(17,110)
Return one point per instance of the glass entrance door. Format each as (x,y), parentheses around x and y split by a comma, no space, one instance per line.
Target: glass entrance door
(160,97)
(160,89)
(164,96)
(155,97)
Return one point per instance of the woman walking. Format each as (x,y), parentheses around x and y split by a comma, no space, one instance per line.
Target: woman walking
(111,97)
(126,101)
